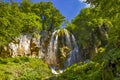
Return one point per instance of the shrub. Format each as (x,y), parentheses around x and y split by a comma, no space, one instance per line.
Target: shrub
(3,61)
(23,68)
(81,71)
(25,59)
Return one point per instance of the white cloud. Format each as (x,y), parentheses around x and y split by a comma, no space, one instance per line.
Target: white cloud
(82,0)
(86,5)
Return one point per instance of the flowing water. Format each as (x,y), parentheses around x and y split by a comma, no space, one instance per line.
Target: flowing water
(59,39)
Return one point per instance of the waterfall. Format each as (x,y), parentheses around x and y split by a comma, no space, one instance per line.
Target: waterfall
(60,50)
(52,48)
(60,39)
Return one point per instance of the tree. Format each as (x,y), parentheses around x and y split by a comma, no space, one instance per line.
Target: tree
(51,18)
(111,10)
(90,30)
(13,22)
(10,24)
(25,6)
(31,23)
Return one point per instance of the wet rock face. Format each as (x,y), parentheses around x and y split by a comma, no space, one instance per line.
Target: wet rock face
(5,51)
(14,49)
(44,40)
(62,56)
(34,47)
(22,48)
(25,45)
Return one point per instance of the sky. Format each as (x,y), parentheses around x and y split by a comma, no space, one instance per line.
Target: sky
(68,8)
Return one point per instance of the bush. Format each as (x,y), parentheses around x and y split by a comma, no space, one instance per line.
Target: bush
(23,68)
(16,60)
(25,59)
(3,61)
(81,71)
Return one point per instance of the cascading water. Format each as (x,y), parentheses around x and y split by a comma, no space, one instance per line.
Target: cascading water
(60,39)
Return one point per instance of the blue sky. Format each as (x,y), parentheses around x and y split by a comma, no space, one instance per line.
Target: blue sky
(68,8)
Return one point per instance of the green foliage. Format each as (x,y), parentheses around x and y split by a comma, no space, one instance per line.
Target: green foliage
(111,11)
(25,6)
(10,25)
(13,22)
(86,23)
(86,27)
(51,18)
(90,30)
(27,18)
(31,23)
(2,61)
(23,68)
(81,71)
